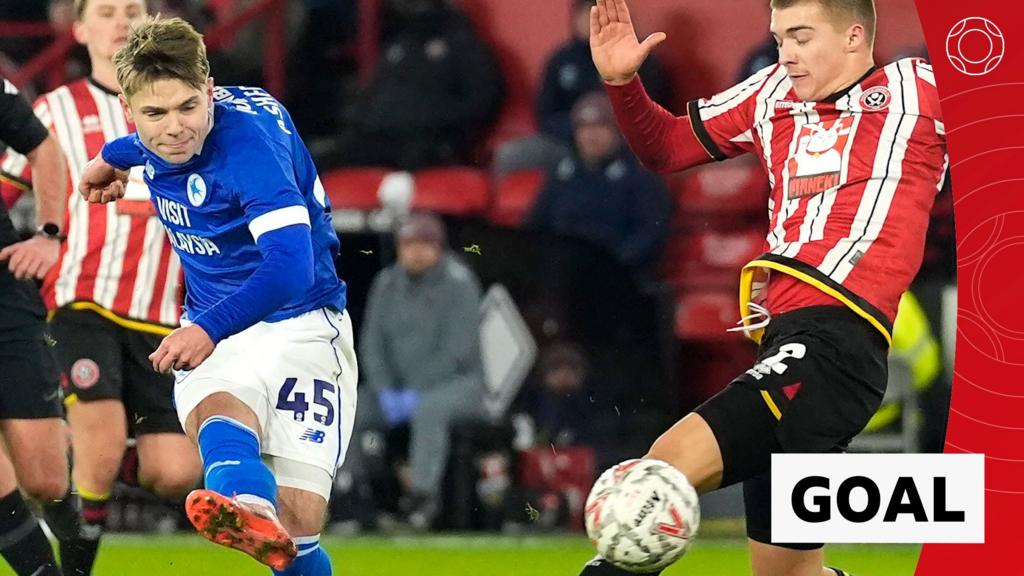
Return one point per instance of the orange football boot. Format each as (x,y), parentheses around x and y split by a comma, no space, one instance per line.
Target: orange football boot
(250,528)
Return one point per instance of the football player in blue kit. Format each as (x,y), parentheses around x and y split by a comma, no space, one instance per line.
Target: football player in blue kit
(264,362)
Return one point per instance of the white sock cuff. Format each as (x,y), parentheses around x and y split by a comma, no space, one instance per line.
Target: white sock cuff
(228,420)
(306,544)
(254,499)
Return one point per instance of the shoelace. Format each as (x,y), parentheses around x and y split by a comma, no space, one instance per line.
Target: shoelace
(759,313)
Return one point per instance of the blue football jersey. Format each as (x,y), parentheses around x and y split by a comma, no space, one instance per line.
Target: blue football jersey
(253,175)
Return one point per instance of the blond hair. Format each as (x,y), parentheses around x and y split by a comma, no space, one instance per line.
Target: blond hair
(841,12)
(162,49)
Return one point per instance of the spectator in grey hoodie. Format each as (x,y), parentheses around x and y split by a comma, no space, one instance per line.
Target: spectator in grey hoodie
(420,353)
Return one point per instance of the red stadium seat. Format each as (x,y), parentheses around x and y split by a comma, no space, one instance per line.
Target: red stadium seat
(567,472)
(514,197)
(733,188)
(354,188)
(456,191)
(705,316)
(709,259)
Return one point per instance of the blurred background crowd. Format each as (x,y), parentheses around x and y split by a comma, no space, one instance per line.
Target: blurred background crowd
(531,304)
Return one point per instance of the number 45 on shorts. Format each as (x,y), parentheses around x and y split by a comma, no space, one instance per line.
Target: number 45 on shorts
(295,402)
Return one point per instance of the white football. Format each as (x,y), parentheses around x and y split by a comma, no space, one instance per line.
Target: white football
(642,515)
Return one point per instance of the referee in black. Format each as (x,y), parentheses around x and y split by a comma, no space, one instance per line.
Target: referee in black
(30,408)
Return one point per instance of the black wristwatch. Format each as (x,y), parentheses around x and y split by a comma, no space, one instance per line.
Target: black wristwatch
(51,230)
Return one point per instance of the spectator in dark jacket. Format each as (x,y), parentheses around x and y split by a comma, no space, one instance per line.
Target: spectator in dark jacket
(434,92)
(602,194)
(761,56)
(568,75)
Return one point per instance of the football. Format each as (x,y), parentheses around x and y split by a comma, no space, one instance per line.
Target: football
(641,515)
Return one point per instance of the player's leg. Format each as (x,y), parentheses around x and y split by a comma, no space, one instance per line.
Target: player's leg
(238,507)
(771,560)
(766,558)
(22,542)
(89,352)
(727,439)
(34,438)
(169,464)
(305,449)
(302,511)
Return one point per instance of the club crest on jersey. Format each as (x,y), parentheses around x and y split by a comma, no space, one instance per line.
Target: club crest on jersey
(875,98)
(816,165)
(196,190)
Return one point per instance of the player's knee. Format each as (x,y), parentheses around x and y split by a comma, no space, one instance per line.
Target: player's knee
(170,482)
(45,488)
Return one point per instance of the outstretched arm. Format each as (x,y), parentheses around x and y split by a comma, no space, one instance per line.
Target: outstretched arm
(662,141)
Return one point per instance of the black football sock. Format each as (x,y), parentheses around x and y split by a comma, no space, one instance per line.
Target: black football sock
(22,542)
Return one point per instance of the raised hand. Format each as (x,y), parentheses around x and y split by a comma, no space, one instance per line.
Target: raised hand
(613,43)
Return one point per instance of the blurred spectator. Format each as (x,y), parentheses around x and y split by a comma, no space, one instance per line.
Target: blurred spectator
(602,194)
(568,75)
(420,354)
(559,405)
(18,50)
(762,56)
(434,92)
(321,63)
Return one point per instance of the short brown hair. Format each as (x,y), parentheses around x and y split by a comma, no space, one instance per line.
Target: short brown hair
(844,11)
(162,49)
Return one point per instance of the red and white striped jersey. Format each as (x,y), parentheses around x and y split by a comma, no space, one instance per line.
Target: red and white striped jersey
(116,260)
(853,178)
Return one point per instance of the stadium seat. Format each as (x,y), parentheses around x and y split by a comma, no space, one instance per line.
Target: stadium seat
(514,196)
(733,189)
(567,471)
(705,316)
(709,259)
(455,191)
(354,188)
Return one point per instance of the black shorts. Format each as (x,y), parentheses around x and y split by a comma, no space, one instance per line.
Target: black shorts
(29,386)
(102,360)
(820,375)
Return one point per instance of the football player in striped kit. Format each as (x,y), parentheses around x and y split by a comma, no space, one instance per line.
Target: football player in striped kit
(855,154)
(113,294)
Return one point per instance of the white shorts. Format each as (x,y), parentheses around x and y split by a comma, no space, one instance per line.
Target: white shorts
(299,377)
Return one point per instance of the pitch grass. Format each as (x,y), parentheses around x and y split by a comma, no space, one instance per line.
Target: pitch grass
(467,555)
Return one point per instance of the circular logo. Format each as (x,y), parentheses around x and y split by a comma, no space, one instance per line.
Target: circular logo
(975,46)
(196,191)
(875,98)
(84,373)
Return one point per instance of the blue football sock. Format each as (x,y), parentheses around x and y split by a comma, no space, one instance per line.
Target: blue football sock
(231,460)
(311,560)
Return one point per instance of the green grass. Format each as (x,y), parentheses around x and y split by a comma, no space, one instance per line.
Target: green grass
(459,556)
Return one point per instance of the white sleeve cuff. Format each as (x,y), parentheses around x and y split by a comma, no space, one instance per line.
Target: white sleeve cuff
(278,219)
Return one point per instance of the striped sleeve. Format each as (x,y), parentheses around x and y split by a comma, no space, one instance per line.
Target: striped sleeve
(928,95)
(724,121)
